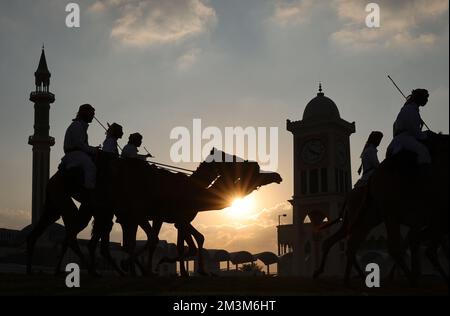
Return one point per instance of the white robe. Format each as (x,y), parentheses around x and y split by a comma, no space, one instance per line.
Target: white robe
(131,151)
(110,145)
(408,132)
(77,152)
(369,160)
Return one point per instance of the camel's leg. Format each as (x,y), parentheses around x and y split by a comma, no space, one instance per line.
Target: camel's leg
(391,275)
(75,221)
(353,243)
(132,248)
(96,235)
(444,245)
(73,244)
(64,246)
(200,239)
(412,241)
(414,246)
(192,248)
(182,236)
(104,246)
(351,257)
(145,225)
(69,216)
(431,253)
(152,236)
(101,230)
(129,244)
(48,217)
(147,228)
(326,246)
(358,269)
(395,249)
(180,248)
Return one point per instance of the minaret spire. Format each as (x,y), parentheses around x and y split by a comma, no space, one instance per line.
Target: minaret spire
(320,89)
(42,75)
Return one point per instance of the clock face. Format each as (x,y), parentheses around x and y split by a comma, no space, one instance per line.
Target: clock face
(313,151)
(341,153)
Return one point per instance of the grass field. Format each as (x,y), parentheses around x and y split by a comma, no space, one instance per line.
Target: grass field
(19,284)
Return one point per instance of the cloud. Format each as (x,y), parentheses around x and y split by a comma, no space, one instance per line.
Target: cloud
(411,24)
(14,219)
(269,216)
(188,59)
(98,6)
(404,24)
(291,13)
(253,238)
(148,22)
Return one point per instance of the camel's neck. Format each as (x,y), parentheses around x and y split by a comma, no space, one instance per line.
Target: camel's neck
(202,178)
(216,197)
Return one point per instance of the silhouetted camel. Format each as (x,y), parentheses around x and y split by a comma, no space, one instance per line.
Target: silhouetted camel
(130,188)
(398,195)
(65,185)
(61,188)
(179,201)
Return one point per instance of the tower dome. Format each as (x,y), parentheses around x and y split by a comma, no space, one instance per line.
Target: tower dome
(321,107)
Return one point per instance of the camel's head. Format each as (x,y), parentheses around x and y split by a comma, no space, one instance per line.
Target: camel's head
(239,177)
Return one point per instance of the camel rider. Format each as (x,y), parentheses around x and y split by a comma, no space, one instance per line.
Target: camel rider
(113,133)
(356,198)
(131,149)
(77,151)
(408,129)
(369,157)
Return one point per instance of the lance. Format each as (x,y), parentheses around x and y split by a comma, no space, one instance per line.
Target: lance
(399,90)
(166,166)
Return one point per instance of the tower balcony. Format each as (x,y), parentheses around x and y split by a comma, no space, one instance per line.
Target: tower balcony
(41,140)
(42,96)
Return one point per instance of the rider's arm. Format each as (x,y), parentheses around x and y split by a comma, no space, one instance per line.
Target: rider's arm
(414,123)
(142,157)
(372,158)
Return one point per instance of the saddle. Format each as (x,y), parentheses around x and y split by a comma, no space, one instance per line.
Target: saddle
(74,181)
(404,161)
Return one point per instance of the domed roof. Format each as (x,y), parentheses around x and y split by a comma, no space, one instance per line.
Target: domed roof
(321,107)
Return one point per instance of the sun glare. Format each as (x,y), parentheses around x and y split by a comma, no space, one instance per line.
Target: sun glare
(241,206)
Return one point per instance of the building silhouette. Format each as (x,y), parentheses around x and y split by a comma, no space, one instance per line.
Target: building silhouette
(322,177)
(40,140)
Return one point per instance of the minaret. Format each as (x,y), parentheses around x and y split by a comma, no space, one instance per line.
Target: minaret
(40,140)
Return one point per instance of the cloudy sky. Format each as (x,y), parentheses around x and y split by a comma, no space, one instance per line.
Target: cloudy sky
(157,64)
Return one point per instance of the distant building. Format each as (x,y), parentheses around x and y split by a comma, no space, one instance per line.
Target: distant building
(8,236)
(322,177)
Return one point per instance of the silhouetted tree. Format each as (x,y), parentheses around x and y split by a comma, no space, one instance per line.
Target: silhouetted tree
(251,267)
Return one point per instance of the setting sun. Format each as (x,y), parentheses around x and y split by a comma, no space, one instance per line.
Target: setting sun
(241,206)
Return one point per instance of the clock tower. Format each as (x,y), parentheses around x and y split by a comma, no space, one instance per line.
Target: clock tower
(322,177)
